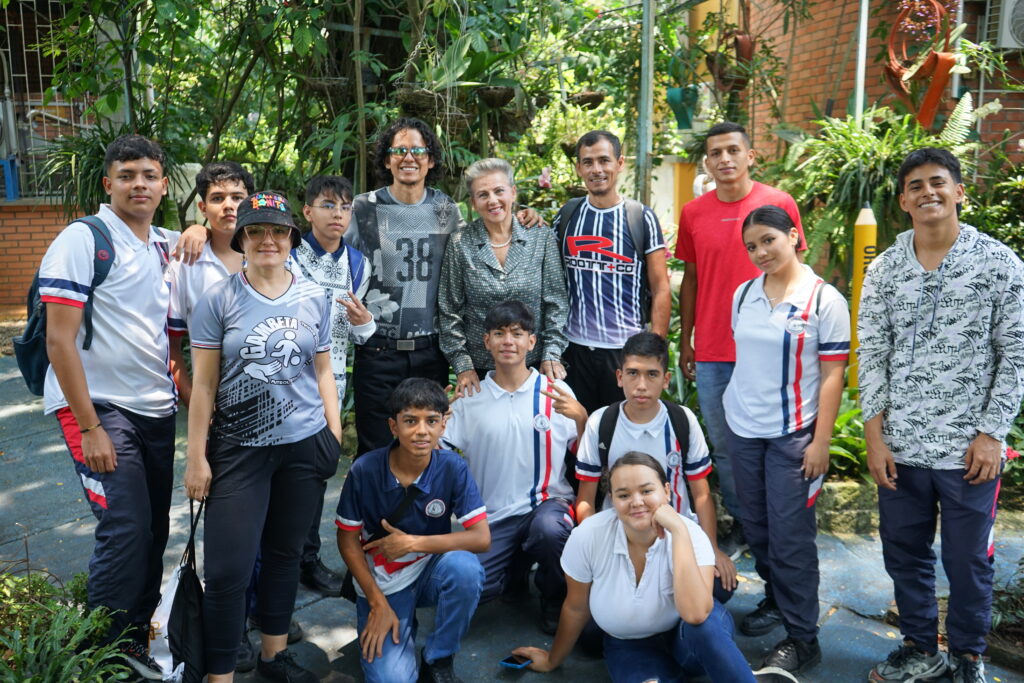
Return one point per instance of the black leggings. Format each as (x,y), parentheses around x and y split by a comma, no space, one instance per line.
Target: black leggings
(260,498)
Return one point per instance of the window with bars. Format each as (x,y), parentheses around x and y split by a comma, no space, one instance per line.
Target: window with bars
(27,126)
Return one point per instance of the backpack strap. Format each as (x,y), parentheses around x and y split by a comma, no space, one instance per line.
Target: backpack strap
(817,298)
(635,223)
(355,266)
(565,216)
(681,428)
(102,261)
(743,294)
(365,212)
(605,434)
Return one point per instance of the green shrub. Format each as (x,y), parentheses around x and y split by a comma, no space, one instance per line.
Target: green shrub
(46,633)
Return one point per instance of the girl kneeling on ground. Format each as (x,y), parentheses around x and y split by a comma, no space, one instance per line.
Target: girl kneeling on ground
(646,574)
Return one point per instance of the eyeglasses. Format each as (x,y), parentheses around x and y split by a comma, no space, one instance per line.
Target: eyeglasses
(331,206)
(418,152)
(257,232)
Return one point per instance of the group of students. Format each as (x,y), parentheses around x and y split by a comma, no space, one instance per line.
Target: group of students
(631,564)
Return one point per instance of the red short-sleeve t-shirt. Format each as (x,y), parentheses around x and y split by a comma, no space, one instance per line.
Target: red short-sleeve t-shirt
(709,236)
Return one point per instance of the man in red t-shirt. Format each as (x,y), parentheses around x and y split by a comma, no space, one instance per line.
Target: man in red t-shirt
(711,244)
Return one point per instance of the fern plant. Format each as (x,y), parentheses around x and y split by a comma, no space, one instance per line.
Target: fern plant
(850,163)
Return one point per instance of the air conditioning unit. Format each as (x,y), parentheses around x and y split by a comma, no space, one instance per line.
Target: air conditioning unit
(1005,25)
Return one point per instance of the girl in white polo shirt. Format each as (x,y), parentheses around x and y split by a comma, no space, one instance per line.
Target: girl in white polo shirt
(792,335)
(645,573)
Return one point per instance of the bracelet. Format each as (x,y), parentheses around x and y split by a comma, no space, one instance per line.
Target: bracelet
(89,429)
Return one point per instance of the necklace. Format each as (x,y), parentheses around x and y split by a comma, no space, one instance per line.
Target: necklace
(503,244)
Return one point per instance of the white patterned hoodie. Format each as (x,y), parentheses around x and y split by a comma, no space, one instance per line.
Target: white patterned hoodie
(942,352)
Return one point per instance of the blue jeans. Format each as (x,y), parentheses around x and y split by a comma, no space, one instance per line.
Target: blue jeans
(712,379)
(686,650)
(451,581)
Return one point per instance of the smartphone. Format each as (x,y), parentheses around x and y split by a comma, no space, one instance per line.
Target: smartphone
(515,662)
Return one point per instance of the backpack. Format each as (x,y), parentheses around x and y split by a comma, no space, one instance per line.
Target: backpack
(635,222)
(30,346)
(606,432)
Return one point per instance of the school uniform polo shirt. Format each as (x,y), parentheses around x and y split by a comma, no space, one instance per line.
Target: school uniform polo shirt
(188,284)
(127,364)
(774,388)
(371,493)
(655,438)
(514,443)
(596,553)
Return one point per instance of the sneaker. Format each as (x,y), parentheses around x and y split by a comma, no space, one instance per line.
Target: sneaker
(295,631)
(245,661)
(317,577)
(733,544)
(762,620)
(441,671)
(967,668)
(137,656)
(283,668)
(909,663)
(793,655)
(773,674)
(549,613)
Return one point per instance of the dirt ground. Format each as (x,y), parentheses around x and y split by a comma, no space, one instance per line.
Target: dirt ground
(8,330)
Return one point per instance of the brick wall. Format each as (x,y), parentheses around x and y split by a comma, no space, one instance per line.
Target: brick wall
(824,62)
(26,230)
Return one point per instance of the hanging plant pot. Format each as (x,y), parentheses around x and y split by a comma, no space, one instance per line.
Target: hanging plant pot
(496,96)
(723,65)
(419,102)
(588,99)
(683,102)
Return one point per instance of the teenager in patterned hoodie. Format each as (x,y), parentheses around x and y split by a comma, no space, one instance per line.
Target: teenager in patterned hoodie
(941,360)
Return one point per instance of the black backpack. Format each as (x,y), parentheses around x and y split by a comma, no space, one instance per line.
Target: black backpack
(30,347)
(635,222)
(606,431)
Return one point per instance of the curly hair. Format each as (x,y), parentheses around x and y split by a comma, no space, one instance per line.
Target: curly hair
(430,141)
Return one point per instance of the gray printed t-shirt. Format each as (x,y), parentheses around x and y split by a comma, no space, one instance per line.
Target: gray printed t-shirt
(405,244)
(268,390)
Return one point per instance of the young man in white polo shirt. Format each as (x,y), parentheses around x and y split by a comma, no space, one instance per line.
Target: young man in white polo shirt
(115,401)
(514,433)
(221,186)
(644,426)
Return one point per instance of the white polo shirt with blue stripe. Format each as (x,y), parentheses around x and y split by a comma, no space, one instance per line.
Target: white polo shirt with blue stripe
(775,385)
(128,362)
(514,443)
(658,440)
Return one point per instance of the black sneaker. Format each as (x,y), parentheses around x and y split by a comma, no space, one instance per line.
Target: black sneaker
(441,671)
(295,632)
(793,655)
(317,577)
(137,656)
(549,613)
(245,661)
(283,668)
(762,620)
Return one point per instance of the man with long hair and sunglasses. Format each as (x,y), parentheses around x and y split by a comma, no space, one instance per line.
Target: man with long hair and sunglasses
(402,228)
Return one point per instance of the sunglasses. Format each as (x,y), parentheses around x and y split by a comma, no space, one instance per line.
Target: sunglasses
(418,152)
(257,232)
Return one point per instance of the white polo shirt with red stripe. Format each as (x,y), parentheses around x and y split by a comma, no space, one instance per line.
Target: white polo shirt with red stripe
(514,443)
(127,363)
(775,385)
(655,438)
(372,493)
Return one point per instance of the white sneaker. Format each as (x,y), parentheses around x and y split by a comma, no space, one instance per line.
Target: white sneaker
(909,664)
